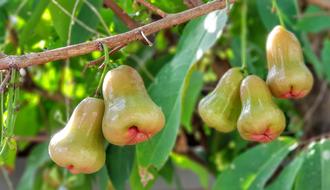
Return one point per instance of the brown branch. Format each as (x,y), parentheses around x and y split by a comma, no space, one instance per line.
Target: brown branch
(37,139)
(152,8)
(321,3)
(125,18)
(130,23)
(193,3)
(112,41)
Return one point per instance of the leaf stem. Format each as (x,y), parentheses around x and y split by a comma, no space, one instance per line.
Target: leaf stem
(105,63)
(244,35)
(278,12)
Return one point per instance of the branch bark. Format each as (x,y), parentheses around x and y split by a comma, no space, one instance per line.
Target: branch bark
(112,41)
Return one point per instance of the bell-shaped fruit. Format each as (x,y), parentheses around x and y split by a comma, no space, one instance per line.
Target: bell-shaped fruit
(130,115)
(288,76)
(260,120)
(220,109)
(79,145)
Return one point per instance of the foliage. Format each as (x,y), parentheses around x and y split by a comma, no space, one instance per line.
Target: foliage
(181,67)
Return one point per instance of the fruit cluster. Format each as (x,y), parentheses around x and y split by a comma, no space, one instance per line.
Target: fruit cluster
(246,103)
(126,116)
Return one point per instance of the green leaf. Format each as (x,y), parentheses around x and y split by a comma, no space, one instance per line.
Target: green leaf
(252,169)
(167,171)
(8,153)
(315,171)
(28,30)
(190,99)
(314,20)
(325,55)
(286,179)
(185,163)
(167,90)
(269,17)
(88,17)
(38,157)
(60,19)
(119,163)
(311,56)
(27,116)
(265,11)
(78,182)
(102,178)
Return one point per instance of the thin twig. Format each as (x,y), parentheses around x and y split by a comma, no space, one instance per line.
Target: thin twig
(130,23)
(5,82)
(67,61)
(82,24)
(141,64)
(37,139)
(101,59)
(152,8)
(92,7)
(112,41)
(20,6)
(124,17)
(72,19)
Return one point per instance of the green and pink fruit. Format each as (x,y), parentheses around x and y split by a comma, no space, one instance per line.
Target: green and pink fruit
(260,120)
(288,76)
(130,115)
(221,108)
(79,145)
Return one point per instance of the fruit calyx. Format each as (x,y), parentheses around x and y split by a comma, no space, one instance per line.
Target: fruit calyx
(264,136)
(292,94)
(136,135)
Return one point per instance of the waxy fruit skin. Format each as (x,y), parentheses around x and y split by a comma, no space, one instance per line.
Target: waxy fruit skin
(130,115)
(288,76)
(260,120)
(221,108)
(79,146)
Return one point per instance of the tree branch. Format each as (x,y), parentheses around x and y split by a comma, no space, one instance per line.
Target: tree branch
(321,3)
(112,41)
(130,23)
(124,17)
(152,8)
(193,3)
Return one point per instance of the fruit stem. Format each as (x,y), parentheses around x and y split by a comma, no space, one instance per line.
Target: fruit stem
(105,63)
(278,12)
(243,35)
